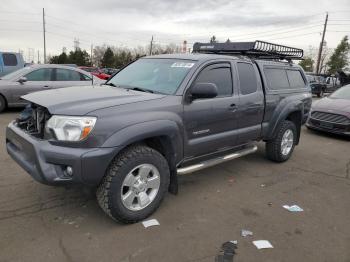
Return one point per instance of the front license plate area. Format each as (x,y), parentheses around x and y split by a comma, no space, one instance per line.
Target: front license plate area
(326,125)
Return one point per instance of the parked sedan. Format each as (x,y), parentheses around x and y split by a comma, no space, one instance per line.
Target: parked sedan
(37,78)
(332,114)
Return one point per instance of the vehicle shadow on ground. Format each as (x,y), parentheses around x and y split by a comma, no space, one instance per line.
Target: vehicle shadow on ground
(13,110)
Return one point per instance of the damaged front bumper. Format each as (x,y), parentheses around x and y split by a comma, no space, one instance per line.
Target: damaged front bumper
(48,163)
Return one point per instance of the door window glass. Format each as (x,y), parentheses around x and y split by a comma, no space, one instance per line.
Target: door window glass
(220,75)
(276,78)
(9,59)
(43,74)
(295,79)
(247,78)
(67,75)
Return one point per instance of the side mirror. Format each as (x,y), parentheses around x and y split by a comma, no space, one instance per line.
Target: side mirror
(204,90)
(22,79)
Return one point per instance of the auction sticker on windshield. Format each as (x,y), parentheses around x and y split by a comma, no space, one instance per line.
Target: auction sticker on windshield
(179,64)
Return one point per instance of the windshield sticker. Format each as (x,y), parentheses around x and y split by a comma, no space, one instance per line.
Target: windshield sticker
(186,65)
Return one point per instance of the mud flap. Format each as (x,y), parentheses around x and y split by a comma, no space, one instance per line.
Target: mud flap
(173,185)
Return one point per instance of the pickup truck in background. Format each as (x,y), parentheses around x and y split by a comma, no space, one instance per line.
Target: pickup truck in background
(162,116)
(10,62)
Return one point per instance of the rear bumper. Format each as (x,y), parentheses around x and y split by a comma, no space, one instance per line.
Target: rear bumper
(328,127)
(47,163)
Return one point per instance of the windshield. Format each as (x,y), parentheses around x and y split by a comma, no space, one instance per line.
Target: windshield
(14,74)
(157,75)
(342,93)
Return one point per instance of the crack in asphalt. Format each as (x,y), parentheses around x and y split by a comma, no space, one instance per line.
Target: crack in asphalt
(64,250)
(347,176)
(40,207)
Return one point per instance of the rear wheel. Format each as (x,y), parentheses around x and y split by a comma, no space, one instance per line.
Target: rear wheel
(320,94)
(2,103)
(281,147)
(135,184)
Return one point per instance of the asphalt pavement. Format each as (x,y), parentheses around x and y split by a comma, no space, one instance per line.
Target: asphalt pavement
(43,223)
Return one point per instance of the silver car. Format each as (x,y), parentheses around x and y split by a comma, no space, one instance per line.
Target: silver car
(38,78)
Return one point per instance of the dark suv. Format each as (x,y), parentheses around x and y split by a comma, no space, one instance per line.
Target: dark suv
(162,116)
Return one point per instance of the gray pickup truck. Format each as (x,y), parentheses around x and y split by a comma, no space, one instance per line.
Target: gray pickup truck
(162,116)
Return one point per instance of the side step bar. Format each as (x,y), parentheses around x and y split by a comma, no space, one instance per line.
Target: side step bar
(216,161)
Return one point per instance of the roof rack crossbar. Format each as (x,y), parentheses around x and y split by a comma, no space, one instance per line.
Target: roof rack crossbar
(255,49)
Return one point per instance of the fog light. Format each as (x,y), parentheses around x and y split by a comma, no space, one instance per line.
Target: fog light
(69,171)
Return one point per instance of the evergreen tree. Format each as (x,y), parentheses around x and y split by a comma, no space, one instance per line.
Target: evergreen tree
(307,64)
(339,59)
(108,58)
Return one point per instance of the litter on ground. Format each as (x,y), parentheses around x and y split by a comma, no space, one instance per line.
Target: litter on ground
(261,244)
(293,208)
(227,251)
(245,233)
(150,223)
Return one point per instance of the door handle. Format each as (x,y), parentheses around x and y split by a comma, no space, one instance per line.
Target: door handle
(233,107)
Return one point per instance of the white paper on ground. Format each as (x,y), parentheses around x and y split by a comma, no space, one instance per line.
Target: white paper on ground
(150,223)
(293,208)
(245,233)
(260,244)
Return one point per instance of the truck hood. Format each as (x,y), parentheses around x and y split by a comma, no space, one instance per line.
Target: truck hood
(84,99)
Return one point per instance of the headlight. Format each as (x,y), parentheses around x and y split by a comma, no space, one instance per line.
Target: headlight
(70,128)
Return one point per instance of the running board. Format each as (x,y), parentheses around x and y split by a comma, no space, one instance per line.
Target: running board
(216,161)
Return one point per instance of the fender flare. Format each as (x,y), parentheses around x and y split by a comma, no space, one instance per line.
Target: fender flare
(280,115)
(150,129)
(140,131)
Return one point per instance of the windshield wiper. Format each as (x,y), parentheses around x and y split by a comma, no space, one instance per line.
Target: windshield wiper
(141,89)
(110,84)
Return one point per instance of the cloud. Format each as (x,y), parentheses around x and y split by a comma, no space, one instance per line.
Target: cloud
(246,20)
(149,7)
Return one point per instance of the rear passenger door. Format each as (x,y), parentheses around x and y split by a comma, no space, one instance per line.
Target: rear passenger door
(210,124)
(251,102)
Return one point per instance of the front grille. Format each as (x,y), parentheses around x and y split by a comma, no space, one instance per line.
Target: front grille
(33,119)
(330,117)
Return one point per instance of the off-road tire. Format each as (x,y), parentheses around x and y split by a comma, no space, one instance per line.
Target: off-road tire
(273,146)
(109,191)
(2,103)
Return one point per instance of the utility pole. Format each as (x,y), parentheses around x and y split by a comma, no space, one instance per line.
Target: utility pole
(38,57)
(91,55)
(321,46)
(44,31)
(151,46)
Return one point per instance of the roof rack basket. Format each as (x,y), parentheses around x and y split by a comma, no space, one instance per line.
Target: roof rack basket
(257,49)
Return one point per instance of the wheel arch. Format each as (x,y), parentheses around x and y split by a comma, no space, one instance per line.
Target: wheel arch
(293,111)
(4,97)
(162,135)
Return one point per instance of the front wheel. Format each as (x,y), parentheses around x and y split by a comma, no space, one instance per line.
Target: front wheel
(280,148)
(134,185)
(2,103)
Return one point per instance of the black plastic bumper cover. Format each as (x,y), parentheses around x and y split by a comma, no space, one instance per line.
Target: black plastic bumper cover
(328,127)
(46,163)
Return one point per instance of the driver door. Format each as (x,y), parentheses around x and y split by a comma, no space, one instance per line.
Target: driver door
(211,123)
(37,80)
